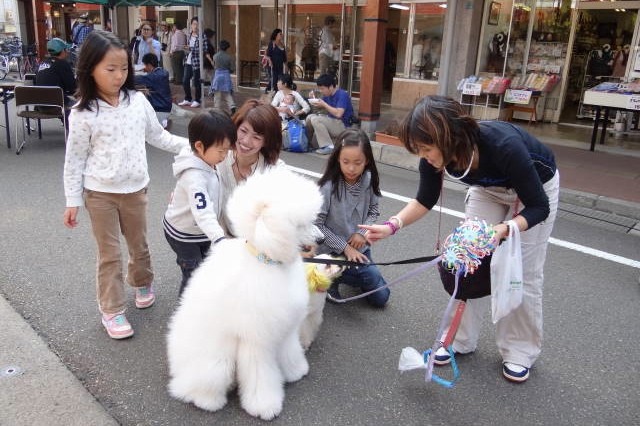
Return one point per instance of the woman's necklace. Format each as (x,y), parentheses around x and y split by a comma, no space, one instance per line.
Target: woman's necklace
(240,175)
(466,172)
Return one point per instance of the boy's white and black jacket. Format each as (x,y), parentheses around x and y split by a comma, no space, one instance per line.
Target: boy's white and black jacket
(192,214)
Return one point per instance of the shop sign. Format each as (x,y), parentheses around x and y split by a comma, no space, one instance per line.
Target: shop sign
(517,96)
(474,89)
(170,21)
(633,102)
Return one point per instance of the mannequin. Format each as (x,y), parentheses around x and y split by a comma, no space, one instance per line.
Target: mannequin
(620,61)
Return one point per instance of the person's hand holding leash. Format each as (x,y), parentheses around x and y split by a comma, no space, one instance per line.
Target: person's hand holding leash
(357,241)
(354,255)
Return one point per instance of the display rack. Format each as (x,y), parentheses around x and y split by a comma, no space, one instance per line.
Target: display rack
(483,93)
(589,81)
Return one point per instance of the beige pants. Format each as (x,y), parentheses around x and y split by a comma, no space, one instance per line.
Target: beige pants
(325,128)
(519,334)
(110,215)
(166,63)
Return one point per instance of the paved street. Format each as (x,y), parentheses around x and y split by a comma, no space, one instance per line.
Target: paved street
(586,375)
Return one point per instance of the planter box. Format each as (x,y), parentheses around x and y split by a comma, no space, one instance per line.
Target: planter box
(388,139)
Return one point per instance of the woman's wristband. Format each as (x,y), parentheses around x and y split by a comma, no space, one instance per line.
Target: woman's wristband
(393,226)
(398,221)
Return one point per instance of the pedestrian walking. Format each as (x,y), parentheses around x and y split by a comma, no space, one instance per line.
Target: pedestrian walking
(106,169)
(277,58)
(221,84)
(176,51)
(192,68)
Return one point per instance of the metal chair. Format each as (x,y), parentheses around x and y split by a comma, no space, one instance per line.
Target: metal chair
(38,103)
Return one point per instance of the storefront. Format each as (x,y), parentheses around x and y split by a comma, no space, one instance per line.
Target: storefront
(412,52)
(558,50)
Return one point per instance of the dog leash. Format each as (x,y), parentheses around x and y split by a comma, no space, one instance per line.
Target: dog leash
(349,263)
(433,260)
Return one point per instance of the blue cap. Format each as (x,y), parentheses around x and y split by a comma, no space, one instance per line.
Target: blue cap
(57,45)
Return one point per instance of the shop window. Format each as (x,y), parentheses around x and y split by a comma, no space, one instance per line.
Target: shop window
(314,41)
(227,28)
(419,46)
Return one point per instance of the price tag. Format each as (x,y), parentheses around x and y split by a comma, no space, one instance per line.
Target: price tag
(633,102)
(553,69)
(474,89)
(517,96)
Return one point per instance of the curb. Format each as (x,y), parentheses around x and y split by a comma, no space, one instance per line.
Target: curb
(37,388)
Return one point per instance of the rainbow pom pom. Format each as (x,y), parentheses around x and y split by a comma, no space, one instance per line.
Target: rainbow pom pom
(467,245)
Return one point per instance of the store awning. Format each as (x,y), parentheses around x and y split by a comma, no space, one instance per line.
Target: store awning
(112,3)
(154,3)
(69,2)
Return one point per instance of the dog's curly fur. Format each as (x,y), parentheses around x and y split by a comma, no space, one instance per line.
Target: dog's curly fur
(239,318)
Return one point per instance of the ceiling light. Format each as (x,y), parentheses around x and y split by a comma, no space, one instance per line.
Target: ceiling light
(398,6)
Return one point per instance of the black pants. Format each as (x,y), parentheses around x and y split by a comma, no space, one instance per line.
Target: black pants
(188,257)
(190,72)
(177,59)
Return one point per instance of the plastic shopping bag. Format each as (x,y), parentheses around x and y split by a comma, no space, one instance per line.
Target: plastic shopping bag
(506,275)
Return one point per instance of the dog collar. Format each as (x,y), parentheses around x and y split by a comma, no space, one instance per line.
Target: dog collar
(261,256)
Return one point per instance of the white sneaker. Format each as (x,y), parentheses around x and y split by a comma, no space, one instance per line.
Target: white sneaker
(184,103)
(195,104)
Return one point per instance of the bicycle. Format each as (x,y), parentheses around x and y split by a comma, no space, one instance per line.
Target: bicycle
(295,70)
(30,62)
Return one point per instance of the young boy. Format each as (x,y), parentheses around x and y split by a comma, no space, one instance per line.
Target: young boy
(191,220)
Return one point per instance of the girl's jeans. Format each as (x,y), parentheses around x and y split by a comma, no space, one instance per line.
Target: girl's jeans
(188,256)
(111,214)
(367,278)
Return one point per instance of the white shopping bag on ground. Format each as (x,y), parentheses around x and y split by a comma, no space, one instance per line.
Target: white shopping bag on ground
(506,275)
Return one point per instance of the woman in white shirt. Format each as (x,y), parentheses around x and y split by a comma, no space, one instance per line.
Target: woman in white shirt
(286,87)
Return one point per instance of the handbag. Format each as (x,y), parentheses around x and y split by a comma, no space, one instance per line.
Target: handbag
(506,275)
(471,286)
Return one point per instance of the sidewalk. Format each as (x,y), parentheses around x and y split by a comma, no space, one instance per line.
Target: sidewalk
(607,180)
(36,388)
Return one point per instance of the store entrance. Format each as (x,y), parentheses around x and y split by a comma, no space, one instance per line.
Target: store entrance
(601,53)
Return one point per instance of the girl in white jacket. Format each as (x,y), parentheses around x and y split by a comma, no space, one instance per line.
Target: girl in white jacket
(106,169)
(191,220)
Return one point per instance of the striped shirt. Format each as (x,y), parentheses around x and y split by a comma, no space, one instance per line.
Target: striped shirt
(339,217)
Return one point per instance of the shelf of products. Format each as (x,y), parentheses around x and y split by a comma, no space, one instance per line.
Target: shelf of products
(484,93)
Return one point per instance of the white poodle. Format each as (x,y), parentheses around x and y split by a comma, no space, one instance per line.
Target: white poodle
(239,318)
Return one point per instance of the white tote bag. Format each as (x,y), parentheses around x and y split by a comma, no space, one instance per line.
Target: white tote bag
(506,275)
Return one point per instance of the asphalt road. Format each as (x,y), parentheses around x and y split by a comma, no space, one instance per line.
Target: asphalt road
(587,374)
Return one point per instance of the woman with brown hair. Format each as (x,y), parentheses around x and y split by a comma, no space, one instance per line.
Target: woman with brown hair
(257,148)
(512,177)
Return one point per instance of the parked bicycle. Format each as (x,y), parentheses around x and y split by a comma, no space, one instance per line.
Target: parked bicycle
(30,62)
